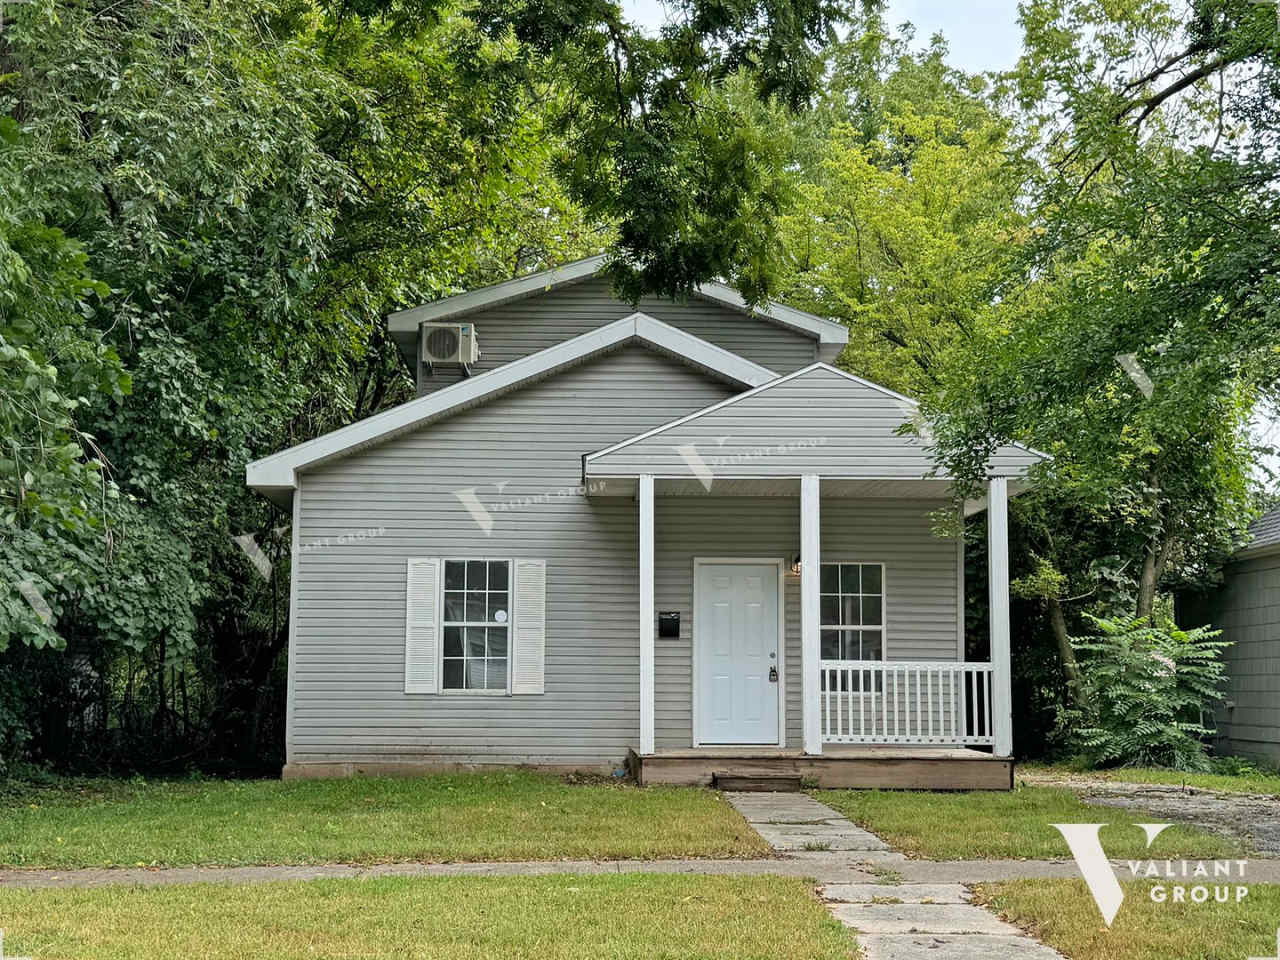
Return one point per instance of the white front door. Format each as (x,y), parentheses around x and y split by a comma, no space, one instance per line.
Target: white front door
(736,641)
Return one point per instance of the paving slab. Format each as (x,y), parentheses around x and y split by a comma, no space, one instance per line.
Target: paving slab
(951,918)
(894,920)
(793,836)
(903,892)
(864,858)
(933,946)
(781,808)
(787,842)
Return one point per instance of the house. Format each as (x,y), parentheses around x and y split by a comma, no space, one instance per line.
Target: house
(666,534)
(1246,607)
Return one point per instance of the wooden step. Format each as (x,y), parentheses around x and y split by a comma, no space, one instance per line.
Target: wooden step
(757,782)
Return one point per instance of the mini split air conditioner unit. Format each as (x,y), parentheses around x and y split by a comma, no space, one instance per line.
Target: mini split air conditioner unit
(449,343)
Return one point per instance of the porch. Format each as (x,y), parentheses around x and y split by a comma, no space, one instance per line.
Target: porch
(839,766)
(812,473)
(917,716)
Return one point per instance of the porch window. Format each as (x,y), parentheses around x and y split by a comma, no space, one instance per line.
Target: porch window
(477,615)
(852,614)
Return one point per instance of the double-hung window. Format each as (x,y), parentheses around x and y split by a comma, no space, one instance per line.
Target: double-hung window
(852,612)
(477,625)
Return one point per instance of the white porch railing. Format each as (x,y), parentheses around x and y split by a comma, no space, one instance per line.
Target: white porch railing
(873,701)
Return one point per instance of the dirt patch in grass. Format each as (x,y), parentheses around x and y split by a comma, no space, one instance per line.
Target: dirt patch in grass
(1250,817)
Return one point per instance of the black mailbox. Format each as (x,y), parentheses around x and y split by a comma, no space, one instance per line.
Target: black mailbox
(669,624)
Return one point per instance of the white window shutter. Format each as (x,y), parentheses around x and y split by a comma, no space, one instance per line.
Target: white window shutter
(530,626)
(422,627)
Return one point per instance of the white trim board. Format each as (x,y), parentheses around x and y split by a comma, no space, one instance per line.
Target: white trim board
(780,690)
(278,474)
(737,398)
(827,332)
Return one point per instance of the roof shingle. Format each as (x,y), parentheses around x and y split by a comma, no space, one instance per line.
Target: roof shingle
(1265,532)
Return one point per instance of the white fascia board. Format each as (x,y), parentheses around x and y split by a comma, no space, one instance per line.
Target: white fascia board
(278,472)
(750,393)
(698,413)
(825,331)
(1256,552)
(407,321)
(916,403)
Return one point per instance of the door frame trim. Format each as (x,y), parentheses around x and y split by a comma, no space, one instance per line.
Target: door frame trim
(781,692)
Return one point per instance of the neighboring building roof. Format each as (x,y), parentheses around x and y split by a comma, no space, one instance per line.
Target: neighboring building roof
(817,420)
(276,476)
(831,336)
(1265,532)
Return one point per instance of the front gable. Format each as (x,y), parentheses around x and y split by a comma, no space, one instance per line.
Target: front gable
(819,420)
(276,476)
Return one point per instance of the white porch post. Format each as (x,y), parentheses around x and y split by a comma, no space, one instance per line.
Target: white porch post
(646,615)
(998,581)
(810,649)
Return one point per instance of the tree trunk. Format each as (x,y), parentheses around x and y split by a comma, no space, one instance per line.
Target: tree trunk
(1067,655)
(1153,564)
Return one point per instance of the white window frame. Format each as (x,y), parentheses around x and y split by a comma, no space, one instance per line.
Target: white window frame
(446,623)
(883,626)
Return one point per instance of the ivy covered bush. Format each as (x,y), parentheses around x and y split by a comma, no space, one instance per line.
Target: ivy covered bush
(1145,691)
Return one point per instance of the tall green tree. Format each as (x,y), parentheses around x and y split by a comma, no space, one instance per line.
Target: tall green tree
(215,205)
(1143,326)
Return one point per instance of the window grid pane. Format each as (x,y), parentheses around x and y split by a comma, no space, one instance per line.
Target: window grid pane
(476,615)
(851,605)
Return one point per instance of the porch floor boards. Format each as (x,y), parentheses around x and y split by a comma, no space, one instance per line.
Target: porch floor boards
(840,766)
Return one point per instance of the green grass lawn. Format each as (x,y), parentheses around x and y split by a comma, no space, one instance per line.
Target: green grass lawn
(1008,826)
(1256,782)
(548,918)
(498,816)
(1063,915)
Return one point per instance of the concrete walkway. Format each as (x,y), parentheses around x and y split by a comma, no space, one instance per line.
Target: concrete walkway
(893,920)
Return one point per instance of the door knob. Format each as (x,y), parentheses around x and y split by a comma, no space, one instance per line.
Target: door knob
(773,674)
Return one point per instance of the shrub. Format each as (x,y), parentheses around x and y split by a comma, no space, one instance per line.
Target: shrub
(1145,692)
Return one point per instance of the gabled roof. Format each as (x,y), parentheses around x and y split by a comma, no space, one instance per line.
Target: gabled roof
(826,332)
(1265,532)
(817,420)
(276,476)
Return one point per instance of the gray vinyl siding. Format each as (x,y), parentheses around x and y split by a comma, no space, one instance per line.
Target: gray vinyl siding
(819,422)
(361,517)
(523,327)
(1247,610)
(920,583)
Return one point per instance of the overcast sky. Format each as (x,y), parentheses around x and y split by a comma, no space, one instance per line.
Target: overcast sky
(982,34)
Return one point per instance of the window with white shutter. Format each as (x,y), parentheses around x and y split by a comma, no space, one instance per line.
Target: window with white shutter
(528,649)
(422,626)
(475,626)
